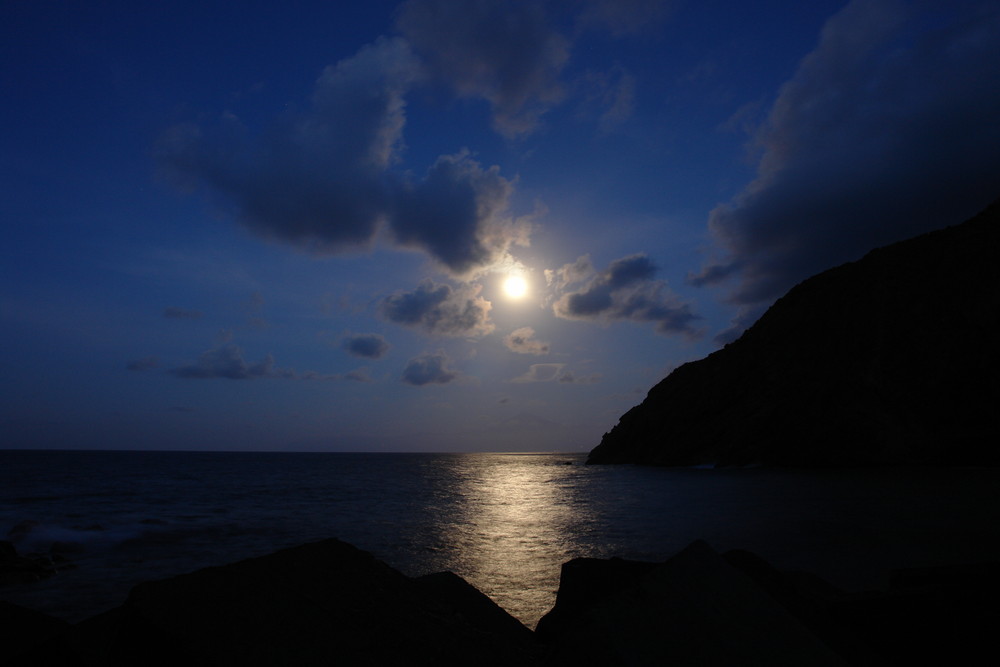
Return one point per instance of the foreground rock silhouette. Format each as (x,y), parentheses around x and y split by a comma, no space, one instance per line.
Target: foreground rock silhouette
(892,359)
(328,603)
(325,603)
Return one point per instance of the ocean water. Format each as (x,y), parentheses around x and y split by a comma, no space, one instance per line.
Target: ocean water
(504,522)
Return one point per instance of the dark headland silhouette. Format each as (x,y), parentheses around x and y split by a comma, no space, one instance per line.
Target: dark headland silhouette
(892,359)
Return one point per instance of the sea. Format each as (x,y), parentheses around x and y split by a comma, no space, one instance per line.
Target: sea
(504,522)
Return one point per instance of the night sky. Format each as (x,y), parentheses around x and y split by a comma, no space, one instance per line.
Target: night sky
(291,227)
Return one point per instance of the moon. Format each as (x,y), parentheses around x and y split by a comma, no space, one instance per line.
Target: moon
(515,287)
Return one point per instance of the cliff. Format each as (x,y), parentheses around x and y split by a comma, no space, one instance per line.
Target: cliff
(892,359)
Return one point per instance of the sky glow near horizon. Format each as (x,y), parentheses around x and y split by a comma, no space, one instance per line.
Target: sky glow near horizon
(292,228)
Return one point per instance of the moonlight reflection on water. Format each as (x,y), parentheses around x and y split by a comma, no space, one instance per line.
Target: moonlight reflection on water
(503,522)
(514,523)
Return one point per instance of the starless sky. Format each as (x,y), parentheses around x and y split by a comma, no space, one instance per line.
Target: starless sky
(288,225)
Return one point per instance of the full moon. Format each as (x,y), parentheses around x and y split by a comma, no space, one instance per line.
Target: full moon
(515,287)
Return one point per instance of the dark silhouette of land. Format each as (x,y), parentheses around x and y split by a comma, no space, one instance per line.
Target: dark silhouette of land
(892,359)
(329,603)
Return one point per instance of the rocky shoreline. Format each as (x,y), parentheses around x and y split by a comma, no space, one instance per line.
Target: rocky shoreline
(330,603)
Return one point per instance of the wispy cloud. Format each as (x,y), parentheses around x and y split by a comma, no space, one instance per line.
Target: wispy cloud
(181,314)
(226,361)
(144,364)
(540,373)
(554,373)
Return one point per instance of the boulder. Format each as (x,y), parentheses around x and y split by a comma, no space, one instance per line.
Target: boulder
(317,604)
(694,609)
(23,629)
(17,569)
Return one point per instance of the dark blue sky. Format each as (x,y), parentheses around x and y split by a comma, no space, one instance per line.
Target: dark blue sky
(288,227)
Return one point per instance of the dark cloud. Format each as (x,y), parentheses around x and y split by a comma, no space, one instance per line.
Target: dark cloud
(888,129)
(523,341)
(503,51)
(368,346)
(457,214)
(439,309)
(226,361)
(428,369)
(144,364)
(181,314)
(316,179)
(321,179)
(626,291)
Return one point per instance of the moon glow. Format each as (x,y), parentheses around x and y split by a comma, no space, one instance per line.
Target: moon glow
(515,287)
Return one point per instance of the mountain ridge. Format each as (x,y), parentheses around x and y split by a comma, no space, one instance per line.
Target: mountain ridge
(891,359)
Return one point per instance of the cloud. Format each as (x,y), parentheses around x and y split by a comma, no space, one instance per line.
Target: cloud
(226,361)
(428,369)
(540,373)
(569,274)
(316,179)
(181,314)
(569,378)
(624,17)
(144,364)
(321,180)
(611,93)
(887,130)
(367,346)
(554,373)
(441,310)
(458,215)
(627,291)
(523,341)
(359,375)
(253,307)
(503,51)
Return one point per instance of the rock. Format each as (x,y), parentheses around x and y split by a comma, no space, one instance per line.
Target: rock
(23,629)
(694,609)
(317,604)
(17,569)
(888,360)
(942,615)
(583,584)
(330,603)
